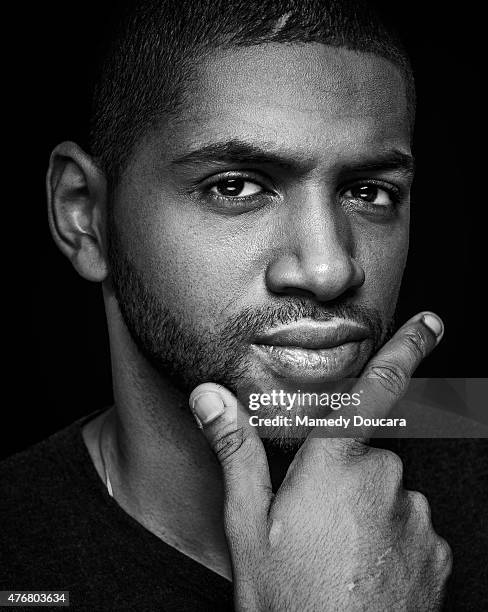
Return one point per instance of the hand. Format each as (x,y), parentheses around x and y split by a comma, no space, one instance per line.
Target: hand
(341,533)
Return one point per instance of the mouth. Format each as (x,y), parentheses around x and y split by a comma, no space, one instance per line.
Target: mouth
(313,351)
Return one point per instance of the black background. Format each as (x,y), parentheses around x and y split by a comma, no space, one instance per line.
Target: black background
(55,342)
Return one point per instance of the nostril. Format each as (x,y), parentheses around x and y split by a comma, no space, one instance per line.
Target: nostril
(321,277)
(291,290)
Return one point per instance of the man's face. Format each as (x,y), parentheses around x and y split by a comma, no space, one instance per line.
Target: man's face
(259,237)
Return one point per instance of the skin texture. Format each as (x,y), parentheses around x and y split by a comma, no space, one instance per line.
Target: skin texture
(195,269)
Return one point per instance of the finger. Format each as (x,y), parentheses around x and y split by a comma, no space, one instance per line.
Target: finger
(240,452)
(385,379)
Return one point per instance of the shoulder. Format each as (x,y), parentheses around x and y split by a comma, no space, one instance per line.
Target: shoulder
(24,474)
(41,491)
(35,480)
(48,471)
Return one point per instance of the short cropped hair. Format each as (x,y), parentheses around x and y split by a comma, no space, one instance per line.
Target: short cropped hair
(154,44)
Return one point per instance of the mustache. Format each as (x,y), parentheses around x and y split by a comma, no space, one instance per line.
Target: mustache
(255,320)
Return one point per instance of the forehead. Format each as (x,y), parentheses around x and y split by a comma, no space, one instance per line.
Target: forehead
(330,106)
(310,95)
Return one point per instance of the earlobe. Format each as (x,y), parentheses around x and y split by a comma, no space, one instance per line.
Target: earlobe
(77,198)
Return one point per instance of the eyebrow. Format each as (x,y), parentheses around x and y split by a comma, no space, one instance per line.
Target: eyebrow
(393,160)
(238,152)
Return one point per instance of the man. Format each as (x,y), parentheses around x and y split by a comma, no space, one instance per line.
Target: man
(245,208)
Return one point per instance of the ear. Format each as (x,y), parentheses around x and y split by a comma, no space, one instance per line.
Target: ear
(77,200)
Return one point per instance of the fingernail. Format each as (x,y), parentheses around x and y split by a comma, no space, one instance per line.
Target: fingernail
(207,407)
(433,323)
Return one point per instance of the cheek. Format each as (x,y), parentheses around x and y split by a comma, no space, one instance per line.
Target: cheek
(383,256)
(198,266)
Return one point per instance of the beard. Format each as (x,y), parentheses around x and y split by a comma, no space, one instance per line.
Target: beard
(187,354)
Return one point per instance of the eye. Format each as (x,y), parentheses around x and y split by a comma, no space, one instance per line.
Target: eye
(236,188)
(370,193)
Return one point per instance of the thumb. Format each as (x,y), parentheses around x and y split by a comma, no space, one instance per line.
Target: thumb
(240,452)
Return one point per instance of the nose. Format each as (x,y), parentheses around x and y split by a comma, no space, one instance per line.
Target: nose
(316,255)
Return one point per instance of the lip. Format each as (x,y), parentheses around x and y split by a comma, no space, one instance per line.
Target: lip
(309,334)
(312,351)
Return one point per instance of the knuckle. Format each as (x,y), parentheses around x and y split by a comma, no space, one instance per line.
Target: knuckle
(416,343)
(391,466)
(420,504)
(386,468)
(346,451)
(444,556)
(230,443)
(391,376)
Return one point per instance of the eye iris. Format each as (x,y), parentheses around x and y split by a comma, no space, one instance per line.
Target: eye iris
(369,193)
(231,186)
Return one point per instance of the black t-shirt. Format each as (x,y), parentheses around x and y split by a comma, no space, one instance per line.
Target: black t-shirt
(60,530)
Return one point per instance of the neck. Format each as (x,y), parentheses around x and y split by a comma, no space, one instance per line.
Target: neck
(162,470)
